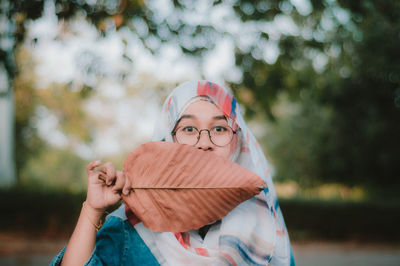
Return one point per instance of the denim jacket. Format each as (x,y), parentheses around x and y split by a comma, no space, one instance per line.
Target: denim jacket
(117,243)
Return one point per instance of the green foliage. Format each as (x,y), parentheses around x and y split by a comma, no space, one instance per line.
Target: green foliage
(28,143)
(40,165)
(30,148)
(66,105)
(293,140)
(101,13)
(347,126)
(54,169)
(364,141)
(341,71)
(50,213)
(40,213)
(341,221)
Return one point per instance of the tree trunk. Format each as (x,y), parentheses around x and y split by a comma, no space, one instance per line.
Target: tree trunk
(7,121)
(7,111)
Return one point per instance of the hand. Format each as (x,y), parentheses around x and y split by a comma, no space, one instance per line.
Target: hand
(105,186)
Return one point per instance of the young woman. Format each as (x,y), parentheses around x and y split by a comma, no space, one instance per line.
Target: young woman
(207,116)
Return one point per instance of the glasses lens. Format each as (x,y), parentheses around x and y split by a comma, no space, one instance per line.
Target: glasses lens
(221,135)
(187,135)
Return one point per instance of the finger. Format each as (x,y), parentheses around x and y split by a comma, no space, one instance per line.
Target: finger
(119,183)
(113,197)
(92,165)
(109,171)
(127,187)
(102,176)
(96,177)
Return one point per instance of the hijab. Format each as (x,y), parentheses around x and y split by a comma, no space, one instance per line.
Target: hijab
(253,233)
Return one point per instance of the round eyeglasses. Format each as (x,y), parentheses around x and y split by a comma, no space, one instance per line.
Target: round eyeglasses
(219,135)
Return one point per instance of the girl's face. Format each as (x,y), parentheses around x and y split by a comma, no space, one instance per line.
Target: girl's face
(203,114)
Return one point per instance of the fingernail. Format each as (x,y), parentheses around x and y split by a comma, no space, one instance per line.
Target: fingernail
(97,161)
(109,183)
(126,192)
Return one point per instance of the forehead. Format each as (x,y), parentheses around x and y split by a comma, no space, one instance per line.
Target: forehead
(203,109)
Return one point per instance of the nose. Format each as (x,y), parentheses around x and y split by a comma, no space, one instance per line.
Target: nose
(204,142)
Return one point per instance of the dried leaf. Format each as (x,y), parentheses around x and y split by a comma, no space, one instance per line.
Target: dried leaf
(176,188)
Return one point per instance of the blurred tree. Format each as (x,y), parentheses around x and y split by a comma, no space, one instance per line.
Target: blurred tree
(363,145)
(343,70)
(38,163)
(105,15)
(12,17)
(56,169)
(28,143)
(318,53)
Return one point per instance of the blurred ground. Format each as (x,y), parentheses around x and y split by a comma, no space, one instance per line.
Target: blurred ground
(19,250)
(346,254)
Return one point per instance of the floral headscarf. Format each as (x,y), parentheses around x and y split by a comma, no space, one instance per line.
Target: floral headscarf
(254,232)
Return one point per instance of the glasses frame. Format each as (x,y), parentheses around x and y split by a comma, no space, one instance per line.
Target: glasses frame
(173,133)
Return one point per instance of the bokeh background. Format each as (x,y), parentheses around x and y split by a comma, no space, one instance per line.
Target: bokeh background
(319,83)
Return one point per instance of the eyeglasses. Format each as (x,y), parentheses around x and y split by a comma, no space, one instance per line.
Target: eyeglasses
(190,135)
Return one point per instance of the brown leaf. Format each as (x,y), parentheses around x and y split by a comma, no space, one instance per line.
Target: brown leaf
(176,188)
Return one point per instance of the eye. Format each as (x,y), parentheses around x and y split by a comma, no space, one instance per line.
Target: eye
(219,129)
(189,129)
